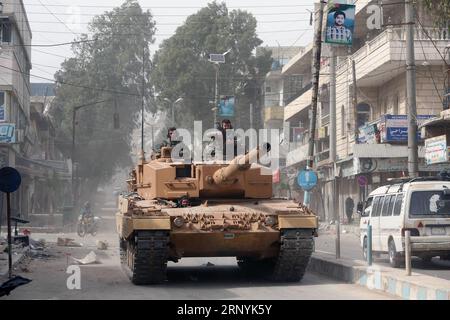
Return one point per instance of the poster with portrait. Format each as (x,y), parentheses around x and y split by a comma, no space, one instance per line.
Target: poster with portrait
(226,106)
(340,24)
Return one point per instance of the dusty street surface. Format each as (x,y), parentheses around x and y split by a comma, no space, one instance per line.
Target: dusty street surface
(205,278)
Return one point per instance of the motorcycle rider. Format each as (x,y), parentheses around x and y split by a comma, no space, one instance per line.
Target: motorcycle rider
(86,213)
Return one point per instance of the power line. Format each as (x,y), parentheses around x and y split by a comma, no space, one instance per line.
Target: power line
(56,17)
(171,7)
(71,84)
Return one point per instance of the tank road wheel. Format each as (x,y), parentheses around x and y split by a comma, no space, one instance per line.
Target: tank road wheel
(145,261)
(296,247)
(123,251)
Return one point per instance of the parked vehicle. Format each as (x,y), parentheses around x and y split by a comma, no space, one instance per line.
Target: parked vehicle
(420,205)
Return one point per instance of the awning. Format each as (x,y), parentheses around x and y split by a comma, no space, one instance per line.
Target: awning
(299,104)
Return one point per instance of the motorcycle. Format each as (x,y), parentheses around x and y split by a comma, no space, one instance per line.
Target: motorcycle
(87,225)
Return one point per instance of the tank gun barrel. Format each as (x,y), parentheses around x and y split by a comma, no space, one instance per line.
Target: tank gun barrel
(239,163)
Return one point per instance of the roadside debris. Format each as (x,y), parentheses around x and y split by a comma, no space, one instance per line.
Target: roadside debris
(11,284)
(102,245)
(67,242)
(36,245)
(91,258)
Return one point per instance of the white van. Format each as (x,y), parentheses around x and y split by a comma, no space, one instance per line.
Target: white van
(420,205)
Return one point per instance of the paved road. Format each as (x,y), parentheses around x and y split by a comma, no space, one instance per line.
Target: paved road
(190,279)
(350,248)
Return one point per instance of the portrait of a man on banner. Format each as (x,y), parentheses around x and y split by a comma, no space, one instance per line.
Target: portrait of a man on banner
(340,24)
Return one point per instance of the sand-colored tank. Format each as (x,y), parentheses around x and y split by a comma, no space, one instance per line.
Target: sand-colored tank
(175,210)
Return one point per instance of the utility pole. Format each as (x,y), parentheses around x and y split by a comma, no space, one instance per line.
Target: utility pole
(335,197)
(251,115)
(73,152)
(317,52)
(355,102)
(413,166)
(216,94)
(142,157)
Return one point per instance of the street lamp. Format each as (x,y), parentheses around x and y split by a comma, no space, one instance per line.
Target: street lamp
(217,58)
(172,104)
(74,177)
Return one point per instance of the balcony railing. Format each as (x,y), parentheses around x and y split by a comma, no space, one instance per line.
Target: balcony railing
(395,34)
(298,94)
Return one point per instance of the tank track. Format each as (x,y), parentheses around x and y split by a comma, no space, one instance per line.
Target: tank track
(296,248)
(145,258)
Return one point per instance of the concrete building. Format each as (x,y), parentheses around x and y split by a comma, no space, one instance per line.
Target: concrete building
(278,90)
(379,150)
(15,66)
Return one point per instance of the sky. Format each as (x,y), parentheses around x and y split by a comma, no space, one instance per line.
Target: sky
(280,23)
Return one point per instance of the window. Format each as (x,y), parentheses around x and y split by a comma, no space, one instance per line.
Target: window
(377,203)
(367,207)
(5,30)
(343,122)
(398,204)
(425,203)
(387,208)
(363,114)
(391,205)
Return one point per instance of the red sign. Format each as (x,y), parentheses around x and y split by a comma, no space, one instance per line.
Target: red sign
(276,176)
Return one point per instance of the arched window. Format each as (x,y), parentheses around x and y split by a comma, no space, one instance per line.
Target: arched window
(363,114)
(343,121)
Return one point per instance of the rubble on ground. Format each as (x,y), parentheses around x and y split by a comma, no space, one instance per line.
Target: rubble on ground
(91,258)
(67,242)
(102,245)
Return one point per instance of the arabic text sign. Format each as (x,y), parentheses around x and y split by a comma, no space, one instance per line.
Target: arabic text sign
(7,133)
(436,150)
(395,127)
(340,24)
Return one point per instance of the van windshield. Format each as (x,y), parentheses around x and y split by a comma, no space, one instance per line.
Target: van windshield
(429,203)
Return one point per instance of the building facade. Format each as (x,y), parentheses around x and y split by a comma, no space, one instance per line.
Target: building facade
(15,66)
(371,130)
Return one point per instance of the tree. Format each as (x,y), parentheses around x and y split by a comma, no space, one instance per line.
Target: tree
(108,68)
(182,67)
(439,9)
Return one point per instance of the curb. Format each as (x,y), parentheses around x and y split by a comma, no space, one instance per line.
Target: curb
(389,280)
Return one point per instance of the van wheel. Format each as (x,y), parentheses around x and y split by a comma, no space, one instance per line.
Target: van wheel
(394,256)
(365,248)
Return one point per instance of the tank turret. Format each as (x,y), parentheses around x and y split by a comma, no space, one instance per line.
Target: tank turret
(226,175)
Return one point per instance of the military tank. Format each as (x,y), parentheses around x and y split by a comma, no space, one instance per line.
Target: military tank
(175,210)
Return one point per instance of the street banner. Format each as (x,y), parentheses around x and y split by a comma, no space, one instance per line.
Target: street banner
(436,150)
(226,106)
(340,24)
(7,133)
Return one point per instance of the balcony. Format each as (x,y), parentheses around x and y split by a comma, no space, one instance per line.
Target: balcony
(298,105)
(382,58)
